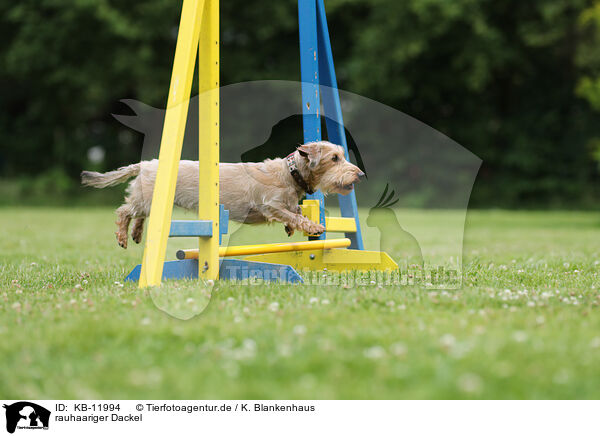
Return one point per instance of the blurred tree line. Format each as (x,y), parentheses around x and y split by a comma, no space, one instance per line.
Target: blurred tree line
(517,83)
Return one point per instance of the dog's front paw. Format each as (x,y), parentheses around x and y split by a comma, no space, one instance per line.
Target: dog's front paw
(314,229)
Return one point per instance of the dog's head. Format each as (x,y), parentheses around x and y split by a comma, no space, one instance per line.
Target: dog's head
(327,167)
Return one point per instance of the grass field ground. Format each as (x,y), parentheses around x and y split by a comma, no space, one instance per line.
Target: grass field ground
(525,324)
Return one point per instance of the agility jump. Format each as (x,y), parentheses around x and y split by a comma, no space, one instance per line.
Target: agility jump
(199,32)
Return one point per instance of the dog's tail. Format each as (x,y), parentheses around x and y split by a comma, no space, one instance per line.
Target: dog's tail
(111,178)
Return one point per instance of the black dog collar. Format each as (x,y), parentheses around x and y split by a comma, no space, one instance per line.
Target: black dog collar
(293,167)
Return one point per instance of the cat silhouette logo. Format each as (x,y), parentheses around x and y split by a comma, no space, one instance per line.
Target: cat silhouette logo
(26,415)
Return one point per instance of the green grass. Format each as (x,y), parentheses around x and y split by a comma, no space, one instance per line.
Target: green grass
(524,325)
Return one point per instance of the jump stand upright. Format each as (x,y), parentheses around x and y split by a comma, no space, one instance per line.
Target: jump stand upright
(199,33)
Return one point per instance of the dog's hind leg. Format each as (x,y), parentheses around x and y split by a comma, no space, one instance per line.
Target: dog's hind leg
(124,215)
(138,230)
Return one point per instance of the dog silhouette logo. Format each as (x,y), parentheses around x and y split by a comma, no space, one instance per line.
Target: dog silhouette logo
(26,415)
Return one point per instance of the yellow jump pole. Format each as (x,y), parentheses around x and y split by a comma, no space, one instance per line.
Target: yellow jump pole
(209,123)
(243,250)
(171,143)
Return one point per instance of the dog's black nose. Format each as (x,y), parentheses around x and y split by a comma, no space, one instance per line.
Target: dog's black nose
(360,174)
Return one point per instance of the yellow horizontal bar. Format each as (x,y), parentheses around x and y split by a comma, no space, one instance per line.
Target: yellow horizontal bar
(340,224)
(242,250)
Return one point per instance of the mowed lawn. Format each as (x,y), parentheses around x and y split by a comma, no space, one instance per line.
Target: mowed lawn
(525,324)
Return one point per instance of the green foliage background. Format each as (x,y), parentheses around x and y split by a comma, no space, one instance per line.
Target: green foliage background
(517,83)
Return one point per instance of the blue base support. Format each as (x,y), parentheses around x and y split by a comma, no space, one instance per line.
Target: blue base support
(200,228)
(230,269)
(188,228)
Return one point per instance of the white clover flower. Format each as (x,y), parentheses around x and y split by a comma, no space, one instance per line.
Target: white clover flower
(249,344)
(285,350)
(447,340)
(398,349)
(274,306)
(520,336)
(375,352)
(299,330)
(470,383)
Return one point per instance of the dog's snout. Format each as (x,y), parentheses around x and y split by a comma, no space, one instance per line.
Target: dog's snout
(358,176)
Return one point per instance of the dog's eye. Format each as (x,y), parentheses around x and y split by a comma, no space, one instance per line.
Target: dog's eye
(335,158)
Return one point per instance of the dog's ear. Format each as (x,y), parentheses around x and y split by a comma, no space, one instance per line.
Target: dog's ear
(312,152)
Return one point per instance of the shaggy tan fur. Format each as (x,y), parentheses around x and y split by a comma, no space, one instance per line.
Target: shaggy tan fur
(252,192)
